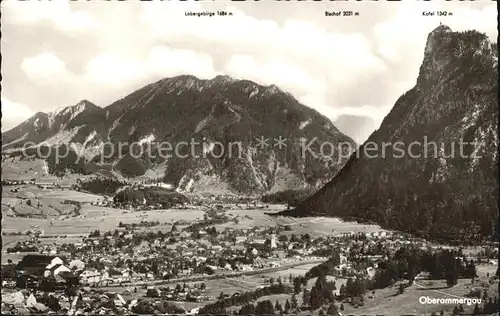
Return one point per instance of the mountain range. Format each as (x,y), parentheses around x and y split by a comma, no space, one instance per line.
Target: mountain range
(220,111)
(435,191)
(446,187)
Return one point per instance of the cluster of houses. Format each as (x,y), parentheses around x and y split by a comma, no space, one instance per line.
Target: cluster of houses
(158,184)
(184,293)
(129,255)
(132,254)
(127,258)
(190,252)
(44,185)
(7,182)
(104,202)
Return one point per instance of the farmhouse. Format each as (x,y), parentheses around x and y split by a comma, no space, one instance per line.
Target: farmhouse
(37,267)
(37,264)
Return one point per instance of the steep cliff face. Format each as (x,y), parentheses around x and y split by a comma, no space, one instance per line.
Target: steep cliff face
(211,114)
(434,187)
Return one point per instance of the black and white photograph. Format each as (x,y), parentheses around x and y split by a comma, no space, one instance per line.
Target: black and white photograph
(312,158)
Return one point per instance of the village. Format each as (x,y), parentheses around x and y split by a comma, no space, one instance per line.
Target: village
(142,266)
(154,250)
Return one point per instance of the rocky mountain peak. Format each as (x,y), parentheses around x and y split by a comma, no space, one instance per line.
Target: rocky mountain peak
(222,79)
(445,49)
(80,107)
(272,89)
(436,37)
(184,82)
(37,115)
(441,29)
(84,104)
(189,81)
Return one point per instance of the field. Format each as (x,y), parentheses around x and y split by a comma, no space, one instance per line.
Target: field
(31,201)
(64,219)
(16,169)
(47,212)
(92,218)
(27,206)
(316,226)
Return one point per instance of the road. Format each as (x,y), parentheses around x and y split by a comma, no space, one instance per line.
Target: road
(219,276)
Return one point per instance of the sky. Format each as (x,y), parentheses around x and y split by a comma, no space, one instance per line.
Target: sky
(350,69)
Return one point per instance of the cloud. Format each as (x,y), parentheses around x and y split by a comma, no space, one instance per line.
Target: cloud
(289,76)
(295,45)
(484,20)
(168,20)
(339,54)
(359,127)
(302,58)
(392,39)
(375,112)
(113,70)
(47,69)
(169,62)
(43,66)
(58,12)
(13,113)
(161,61)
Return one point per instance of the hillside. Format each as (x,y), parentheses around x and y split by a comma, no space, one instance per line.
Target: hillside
(55,127)
(442,195)
(213,114)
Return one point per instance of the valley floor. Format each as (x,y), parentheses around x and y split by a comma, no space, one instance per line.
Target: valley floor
(56,223)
